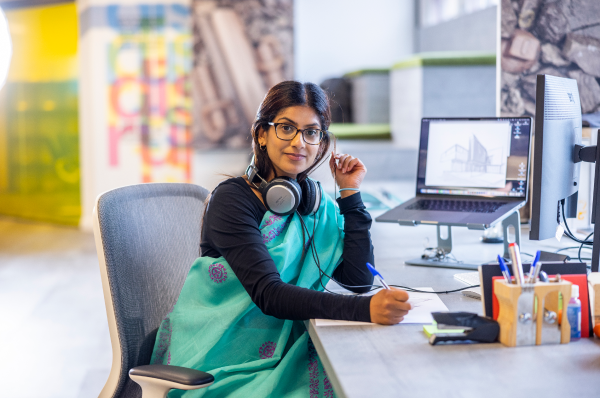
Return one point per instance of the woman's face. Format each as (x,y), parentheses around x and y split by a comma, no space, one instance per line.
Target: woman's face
(291,158)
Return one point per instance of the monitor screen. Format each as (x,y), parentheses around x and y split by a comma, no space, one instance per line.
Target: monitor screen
(474,157)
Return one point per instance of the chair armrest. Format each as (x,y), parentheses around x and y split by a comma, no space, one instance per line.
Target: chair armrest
(157,380)
(176,374)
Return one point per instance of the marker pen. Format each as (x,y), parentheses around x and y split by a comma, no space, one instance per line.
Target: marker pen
(515,257)
(504,269)
(533,271)
(378,276)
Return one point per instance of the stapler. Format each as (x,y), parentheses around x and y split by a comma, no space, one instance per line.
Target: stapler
(476,328)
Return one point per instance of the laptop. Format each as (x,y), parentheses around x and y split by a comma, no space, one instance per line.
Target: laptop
(472,172)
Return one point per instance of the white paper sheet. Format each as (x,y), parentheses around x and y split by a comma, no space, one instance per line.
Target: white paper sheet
(423,305)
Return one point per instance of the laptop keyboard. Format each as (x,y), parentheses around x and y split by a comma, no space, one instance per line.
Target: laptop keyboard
(467,206)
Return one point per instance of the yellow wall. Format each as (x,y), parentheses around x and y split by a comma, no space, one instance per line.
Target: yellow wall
(39,142)
(44,43)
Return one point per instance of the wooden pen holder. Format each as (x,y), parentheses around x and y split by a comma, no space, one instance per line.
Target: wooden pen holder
(526,321)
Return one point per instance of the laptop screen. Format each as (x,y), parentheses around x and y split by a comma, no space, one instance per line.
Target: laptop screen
(486,157)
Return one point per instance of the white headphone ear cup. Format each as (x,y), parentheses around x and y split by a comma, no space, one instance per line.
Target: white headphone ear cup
(282,196)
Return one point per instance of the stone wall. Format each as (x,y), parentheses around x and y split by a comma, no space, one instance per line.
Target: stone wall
(554,37)
(241,49)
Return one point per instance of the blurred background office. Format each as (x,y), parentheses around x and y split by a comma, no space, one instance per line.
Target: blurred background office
(103,94)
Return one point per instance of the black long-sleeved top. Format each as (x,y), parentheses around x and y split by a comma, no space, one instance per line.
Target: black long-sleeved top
(231,229)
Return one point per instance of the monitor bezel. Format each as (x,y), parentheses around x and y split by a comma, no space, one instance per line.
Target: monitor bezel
(536,232)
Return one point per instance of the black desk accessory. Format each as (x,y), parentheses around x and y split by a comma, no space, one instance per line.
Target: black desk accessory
(477,328)
(553,257)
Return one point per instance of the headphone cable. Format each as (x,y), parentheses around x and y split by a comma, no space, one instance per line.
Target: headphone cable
(371,287)
(568,230)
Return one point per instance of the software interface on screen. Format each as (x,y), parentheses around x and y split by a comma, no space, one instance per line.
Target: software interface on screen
(474,157)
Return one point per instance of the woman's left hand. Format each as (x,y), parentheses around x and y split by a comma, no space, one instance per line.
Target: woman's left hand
(348,171)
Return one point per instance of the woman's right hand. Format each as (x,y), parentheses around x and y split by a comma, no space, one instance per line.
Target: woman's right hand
(388,307)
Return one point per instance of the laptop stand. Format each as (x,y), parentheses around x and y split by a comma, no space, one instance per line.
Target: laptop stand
(442,257)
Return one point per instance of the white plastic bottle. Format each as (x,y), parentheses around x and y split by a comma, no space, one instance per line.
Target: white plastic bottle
(574,313)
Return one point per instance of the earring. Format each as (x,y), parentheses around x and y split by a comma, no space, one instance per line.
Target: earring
(263,147)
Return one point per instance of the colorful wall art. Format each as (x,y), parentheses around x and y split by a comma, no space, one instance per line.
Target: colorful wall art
(135,94)
(147,81)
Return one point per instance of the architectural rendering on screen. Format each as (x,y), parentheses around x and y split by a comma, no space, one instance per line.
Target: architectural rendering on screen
(468,155)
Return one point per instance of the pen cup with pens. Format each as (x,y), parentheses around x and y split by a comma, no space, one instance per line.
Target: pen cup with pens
(529,309)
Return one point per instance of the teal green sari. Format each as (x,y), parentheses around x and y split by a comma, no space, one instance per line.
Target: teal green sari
(215,327)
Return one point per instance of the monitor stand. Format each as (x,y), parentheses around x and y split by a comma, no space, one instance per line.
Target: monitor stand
(441,258)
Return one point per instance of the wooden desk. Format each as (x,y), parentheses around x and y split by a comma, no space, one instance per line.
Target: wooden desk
(393,361)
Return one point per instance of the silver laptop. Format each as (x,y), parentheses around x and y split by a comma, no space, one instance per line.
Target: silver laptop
(472,172)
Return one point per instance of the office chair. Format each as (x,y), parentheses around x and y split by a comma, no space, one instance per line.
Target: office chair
(147,237)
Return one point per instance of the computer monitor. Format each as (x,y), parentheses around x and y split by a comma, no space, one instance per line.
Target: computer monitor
(555,173)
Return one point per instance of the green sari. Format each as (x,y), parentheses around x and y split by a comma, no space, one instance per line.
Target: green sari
(215,327)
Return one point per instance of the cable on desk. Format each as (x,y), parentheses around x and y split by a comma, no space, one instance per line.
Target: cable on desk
(570,234)
(571,248)
(576,248)
(410,289)
(568,230)
(581,247)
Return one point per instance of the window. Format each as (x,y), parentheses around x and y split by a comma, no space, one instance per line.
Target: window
(5,48)
(433,12)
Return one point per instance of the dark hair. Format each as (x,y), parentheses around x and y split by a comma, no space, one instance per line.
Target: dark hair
(284,95)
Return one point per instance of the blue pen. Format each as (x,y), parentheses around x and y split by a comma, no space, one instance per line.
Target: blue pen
(378,275)
(533,271)
(504,269)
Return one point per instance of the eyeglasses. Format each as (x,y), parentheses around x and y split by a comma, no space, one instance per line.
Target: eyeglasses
(287,132)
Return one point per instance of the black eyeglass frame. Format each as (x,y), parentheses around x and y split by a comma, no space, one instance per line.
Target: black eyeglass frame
(323,132)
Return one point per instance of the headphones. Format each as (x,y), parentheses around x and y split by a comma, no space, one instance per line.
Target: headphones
(284,195)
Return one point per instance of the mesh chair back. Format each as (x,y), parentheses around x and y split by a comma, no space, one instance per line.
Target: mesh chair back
(151,236)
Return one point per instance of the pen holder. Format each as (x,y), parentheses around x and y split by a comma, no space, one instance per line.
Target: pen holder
(529,313)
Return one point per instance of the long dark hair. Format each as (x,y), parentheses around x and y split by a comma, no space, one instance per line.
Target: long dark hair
(284,95)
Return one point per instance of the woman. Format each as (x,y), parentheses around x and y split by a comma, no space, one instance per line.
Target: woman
(239,313)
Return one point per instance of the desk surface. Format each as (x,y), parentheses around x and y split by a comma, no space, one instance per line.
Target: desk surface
(387,361)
